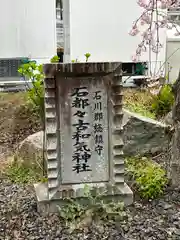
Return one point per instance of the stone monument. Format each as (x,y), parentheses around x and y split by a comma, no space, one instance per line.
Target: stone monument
(83,114)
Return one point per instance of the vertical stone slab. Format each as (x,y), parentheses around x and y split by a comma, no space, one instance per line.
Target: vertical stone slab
(83,105)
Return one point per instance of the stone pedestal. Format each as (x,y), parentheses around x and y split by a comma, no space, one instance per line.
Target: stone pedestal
(83,112)
(46,205)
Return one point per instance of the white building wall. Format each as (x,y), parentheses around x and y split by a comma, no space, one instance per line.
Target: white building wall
(173,59)
(173,54)
(28,29)
(102,27)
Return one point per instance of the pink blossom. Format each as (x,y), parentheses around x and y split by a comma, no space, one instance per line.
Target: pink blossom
(134,31)
(152,18)
(142,3)
(146,18)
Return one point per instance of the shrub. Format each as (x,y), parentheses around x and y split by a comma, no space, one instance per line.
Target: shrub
(163,101)
(87,56)
(150,178)
(55,59)
(34,72)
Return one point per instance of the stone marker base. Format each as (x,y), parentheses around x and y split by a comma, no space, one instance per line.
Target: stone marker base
(108,193)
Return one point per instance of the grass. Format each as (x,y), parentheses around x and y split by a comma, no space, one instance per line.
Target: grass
(12,97)
(22,175)
(139,102)
(149,177)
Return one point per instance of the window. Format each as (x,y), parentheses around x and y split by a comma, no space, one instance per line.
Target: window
(59,23)
(174,15)
(134,69)
(59,9)
(9,67)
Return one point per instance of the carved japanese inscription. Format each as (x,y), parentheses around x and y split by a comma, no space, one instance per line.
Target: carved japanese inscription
(84,137)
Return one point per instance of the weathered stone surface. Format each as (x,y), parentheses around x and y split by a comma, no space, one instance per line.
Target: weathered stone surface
(168,119)
(30,151)
(83,119)
(143,135)
(174,168)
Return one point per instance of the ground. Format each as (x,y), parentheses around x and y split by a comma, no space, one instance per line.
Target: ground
(158,219)
(19,219)
(17,121)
